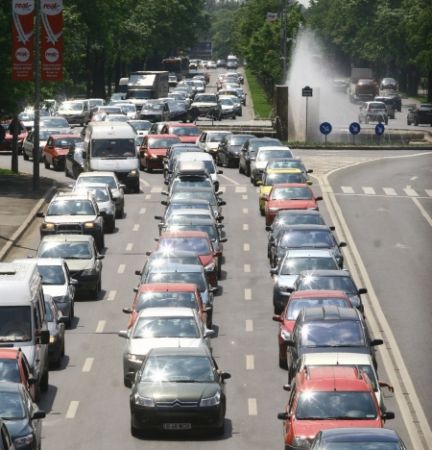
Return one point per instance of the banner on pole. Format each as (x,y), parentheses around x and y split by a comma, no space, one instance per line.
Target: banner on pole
(52,40)
(23,12)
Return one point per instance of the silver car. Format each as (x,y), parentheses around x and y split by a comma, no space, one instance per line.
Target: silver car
(159,328)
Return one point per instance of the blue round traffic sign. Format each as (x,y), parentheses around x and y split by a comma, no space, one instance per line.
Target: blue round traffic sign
(325,128)
(354,128)
(379,129)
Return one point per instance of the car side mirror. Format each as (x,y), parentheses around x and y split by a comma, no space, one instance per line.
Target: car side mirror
(388,415)
(148,253)
(44,337)
(214,289)
(100,256)
(342,244)
(127,310)
(290,343)
(40,214)
(164,202)
(283,416)
(209,333)
(220,172)
(259,183)
(223,240)
(39,414)
(225,376)
(268,228)
(309,171)
(135,290)
(317,199)
(221,202)
(73,282)
(123,334)
(122,186)
(376,342)
(273,271)
(166,193)
(130,378)
(158,217)
(32,380)
(286,387)
(362,291)
(290,289)
(138,272)
(277,318)
(332,228)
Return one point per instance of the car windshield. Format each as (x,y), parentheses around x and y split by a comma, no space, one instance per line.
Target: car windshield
(144,125)
(296,265)
(337,333)
(337,283)
(254,145)
(306,238)
(319,405)
(128,108)
(97,179)
(100,194)
(301,218)
(161,142)
(71,207)
(166,327)
(66,250)
(191,205)
(113,148)
(285,164)
(15,324)
(198,245)
(72,106)
(264,155)
(238,140)
(109,110)
(11,406)
(295,306)
(185,131)
(216,137)
(191,195)
(206,98)
(166,300)
(190,181)
(291,193)
(209,229)
(160,369)
(153,106)
(277,178)
(377,106)
(54,122)
(66,142)
(179,277)
(9,370)
(52,275)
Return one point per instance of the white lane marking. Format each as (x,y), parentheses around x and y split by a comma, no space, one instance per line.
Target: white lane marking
(241,189)
(248,294)
(389,191)
(252,407)
(121,268)
(245,227)
(245,210)
(410,191)
(247,268)
(136,227)
(244,197)
(100,326)
(72,410)
(156,190)
(88,363)
(429,192)
(368,190)
(423,211)
(230,180)
(142,211)
(129,247)
(413,178)
(144,182)
(249,326)
(111,295)
(148,196)
(250,362)
(246,247)
(347,189)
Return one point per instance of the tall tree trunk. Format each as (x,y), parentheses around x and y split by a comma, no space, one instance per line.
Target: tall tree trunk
(429,86)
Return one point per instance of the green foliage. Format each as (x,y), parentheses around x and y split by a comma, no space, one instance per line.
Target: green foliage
(261,103)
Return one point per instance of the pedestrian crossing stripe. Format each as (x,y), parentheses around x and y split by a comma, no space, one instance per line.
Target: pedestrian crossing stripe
(408,191)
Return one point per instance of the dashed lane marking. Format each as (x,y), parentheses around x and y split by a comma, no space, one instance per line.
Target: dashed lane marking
(72,409)
(144,182)
(100,326)
(111,295)
(250,362)
(129,247)
(429,192)
(368,190)
(244,197)
(222,189)
(410,192)
(252,407)
(136,227)
(246,247)
(245,227)
(245,210)
(121,268)
(88,363)
(389,191)
(249,325)
(230,180)
(347,189)
(247,268)
(156,190)
(248,294)
(148,196)
(142,211)
(240,189)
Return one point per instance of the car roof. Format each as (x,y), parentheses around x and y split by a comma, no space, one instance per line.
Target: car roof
(167,312)
(43,261)
(336,358)
(180,351)
(328,313)
(360,435)
(67,238)
(10,353)
(167,287)
(161,136)
(318,293)
(325,273)
(76,195)
(194,221)
(306,227)
(194,156)
(182,234)
(285,185)
(177,267)
(305,253)
(275,170)
(274,147)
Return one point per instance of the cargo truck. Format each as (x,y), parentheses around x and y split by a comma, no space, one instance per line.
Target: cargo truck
(145,85)
(362,86)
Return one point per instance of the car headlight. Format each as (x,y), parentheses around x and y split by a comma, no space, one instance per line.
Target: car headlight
(133,173)
(210,267)
(48,226)
(52,339)
(135,358)
(23,440)
(89,225)
(301,441)
(285,335)
(144,401)
(273,209)
(211,401)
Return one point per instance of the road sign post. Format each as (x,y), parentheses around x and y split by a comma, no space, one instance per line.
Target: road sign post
(325,129)
(354,128)
(307,92)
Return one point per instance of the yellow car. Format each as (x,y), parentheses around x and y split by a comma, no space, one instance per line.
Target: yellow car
(277,176)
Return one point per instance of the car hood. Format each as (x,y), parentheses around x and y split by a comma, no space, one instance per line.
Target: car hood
(69,219)
(55,290)
(292,204)
(79,264)
(188,139)
(143,346)
(285,281)
(18,428)
(234,149)
(182,392)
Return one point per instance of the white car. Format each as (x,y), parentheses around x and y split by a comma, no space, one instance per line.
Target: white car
(263,156)
(160,328)
(209,140)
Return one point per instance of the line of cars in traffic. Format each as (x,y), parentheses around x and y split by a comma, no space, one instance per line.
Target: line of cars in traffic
(323,338)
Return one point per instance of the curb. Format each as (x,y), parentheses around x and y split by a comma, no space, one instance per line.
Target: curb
(19,232)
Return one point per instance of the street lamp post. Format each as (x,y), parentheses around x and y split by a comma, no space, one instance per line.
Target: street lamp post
(36,142)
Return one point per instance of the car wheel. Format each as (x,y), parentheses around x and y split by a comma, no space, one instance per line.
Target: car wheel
(262,212)
(135,432)
(240,168)
(416,123)
(220,431)
(46,163)
(111,227)
(100,242)
(408,122)
(25,156)
(44,381)
(70,318)
(282,362)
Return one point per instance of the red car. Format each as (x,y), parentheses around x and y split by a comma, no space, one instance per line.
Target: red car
(6,144)
(188,133)
(329,397)
(197,242)
(15,367)
(57,147)
(297,301)
(154,149)
(289,196)
(155,295)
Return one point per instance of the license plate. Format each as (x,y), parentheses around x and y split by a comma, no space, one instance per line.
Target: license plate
(177,426)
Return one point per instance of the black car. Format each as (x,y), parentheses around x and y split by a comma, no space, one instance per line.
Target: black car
(329,329)
(421,114)
(367,438)
(178,389)
(56,346)
(74,161)
(249,150)
(228,154)
(21,415)
(390,103)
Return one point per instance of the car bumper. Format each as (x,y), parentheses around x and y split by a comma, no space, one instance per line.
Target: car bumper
(130,181)
(154,163)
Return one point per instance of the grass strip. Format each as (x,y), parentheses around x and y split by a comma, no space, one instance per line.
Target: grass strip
(261,103)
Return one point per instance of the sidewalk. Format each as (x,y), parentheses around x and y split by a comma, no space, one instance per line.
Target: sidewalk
(18,206)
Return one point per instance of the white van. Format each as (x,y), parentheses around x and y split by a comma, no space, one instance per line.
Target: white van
(208,162)
(110,146)
(22,316)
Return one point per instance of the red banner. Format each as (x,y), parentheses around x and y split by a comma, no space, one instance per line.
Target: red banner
(23,13)
(52,40)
